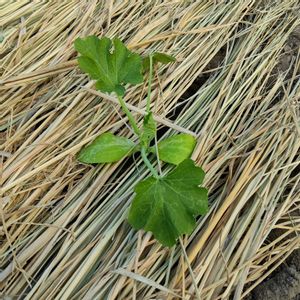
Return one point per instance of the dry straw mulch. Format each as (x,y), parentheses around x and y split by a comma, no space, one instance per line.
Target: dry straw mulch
(63,226)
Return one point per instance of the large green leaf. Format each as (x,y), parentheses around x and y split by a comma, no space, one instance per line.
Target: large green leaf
(168,206)
(111,68)
(106,148)
(176,148)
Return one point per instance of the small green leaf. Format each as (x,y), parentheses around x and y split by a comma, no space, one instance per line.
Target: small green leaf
(168,206)
(111,68)
(176,148)
(106,148)
(149,130)
(156,58)
(163,58)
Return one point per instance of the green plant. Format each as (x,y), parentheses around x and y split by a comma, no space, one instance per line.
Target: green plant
(165,205)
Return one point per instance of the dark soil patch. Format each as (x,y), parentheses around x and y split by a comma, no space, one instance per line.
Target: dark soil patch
(284,284)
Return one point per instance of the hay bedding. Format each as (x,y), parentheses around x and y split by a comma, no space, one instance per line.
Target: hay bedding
(63,229)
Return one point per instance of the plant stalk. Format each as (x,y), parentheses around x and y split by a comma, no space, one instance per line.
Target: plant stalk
(149,83)
(148,163)
(130,116)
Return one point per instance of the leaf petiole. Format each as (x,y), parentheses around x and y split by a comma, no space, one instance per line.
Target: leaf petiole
(148,163)
(130,116)
(149,83)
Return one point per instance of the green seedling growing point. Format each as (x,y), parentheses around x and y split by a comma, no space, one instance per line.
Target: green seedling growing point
(165,205)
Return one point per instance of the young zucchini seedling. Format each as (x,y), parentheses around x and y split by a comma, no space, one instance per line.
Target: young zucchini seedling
(165,205)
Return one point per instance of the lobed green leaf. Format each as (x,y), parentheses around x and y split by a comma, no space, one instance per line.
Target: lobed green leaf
(168,206)
(111,68)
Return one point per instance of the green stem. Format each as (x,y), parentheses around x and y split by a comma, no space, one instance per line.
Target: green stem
(149,83)
(157,156)
(148,163)
(130,116)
